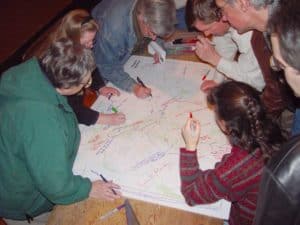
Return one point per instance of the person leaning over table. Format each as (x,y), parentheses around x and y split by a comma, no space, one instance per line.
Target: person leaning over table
(279,196)
(254,138)
(285,40)
(40,135)
(79,26)
(124,24)
(245,15)
(231,53)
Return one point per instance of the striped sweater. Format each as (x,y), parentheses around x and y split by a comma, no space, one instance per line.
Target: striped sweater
(235,178)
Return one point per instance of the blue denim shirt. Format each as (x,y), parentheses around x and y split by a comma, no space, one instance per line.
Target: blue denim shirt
(296,123)
(115,40)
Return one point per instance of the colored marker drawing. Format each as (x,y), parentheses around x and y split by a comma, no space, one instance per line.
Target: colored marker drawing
(142,155)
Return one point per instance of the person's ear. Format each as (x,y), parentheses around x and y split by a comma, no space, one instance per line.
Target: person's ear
(223,126)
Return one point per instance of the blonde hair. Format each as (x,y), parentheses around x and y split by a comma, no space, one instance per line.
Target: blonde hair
(71,26)
(74,24)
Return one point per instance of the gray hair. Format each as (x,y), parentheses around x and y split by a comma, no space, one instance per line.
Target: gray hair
(67,63)
(160,15)
(257,4)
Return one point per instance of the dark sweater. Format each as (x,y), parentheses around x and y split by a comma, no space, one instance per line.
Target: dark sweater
(85,115)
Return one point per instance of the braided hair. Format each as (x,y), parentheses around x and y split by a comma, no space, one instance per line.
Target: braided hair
(246,122)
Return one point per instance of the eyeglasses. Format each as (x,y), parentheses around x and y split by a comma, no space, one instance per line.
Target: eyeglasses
(88,83)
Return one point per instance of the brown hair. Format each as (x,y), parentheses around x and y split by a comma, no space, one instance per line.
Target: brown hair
(204,10)
(71,26)
(246,122)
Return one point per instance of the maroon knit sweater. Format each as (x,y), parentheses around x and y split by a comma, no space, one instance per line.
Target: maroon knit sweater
(235,178)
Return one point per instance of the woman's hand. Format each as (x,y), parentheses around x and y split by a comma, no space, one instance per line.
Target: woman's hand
(191,134)
(103,191)
(207,85)
(109,91)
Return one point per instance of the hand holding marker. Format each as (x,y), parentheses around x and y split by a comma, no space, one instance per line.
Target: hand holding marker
(104,179)
(142,83)
(193,125)
(205,75)
(114,109)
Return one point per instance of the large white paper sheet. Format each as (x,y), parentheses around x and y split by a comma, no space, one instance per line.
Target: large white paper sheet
(142,155)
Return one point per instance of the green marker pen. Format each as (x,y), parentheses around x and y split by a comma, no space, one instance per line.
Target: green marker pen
(114,109)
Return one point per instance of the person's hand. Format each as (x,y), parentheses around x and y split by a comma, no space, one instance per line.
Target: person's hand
(207,85)
(140,91)
(111,119)
(109,91)
(191,134)
(206,51)
(156,58)
(274,64)
(103,191)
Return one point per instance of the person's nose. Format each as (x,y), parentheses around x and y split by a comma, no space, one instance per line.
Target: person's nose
(224,18)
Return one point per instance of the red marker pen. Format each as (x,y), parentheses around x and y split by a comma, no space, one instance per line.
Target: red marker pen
(193,126)
(205,75)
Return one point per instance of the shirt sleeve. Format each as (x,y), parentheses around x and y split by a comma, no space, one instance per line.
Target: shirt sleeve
(197,186)
(84,115)
(49,153)
(112,49)
(97,82)
(226,181)
(245,68)
(227,49)
(225,46)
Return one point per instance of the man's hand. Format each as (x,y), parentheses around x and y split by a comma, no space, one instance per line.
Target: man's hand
(206,51)
(140,91)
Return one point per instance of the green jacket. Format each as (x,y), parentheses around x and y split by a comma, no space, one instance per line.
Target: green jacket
(39,139)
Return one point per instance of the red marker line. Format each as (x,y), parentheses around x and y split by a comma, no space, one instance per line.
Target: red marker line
(191,115)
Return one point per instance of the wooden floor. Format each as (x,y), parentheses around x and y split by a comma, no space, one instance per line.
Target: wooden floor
(88,212)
